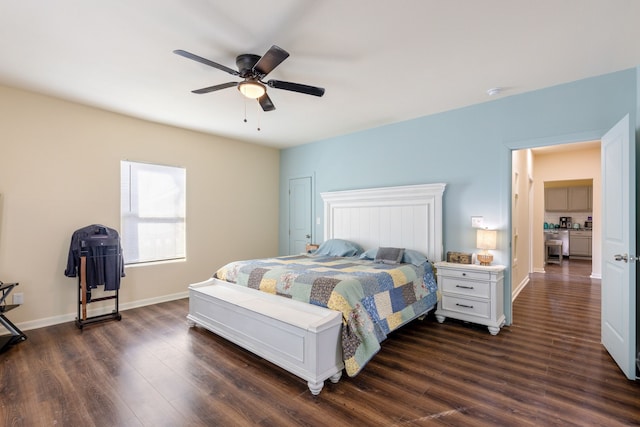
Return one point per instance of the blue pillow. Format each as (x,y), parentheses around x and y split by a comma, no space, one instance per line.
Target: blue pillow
(413,257)
(369,254)
(338,247)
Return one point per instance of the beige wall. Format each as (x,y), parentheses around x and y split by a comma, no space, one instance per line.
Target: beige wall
(60,171)
(563,166)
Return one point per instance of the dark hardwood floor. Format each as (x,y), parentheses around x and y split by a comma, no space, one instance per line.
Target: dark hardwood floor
(151,369)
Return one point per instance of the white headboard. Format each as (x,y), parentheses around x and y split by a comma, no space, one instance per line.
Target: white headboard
(407,217)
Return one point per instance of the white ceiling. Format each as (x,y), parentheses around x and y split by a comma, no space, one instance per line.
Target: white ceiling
(380,62)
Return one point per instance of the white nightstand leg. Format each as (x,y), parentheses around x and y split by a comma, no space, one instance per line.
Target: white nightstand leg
(493,330)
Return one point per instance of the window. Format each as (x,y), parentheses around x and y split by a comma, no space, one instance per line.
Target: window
(152,211)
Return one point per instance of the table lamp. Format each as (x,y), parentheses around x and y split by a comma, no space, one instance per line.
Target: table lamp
(486,239)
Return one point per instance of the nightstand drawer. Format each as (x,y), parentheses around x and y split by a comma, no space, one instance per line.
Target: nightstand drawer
(466,287)
(464,274)
(466,306)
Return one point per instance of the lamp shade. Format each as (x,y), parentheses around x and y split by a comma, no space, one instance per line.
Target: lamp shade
(252,89)
(486,239)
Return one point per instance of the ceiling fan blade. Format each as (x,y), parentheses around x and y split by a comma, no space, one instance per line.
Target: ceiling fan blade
(214,88)
(296,87)
(265,103)
(270,60)
(205,61)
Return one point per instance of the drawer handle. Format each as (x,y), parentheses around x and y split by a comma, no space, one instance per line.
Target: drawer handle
(464,274)
(464,287)
(465,306)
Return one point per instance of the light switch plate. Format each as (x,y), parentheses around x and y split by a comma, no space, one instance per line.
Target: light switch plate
(477,221)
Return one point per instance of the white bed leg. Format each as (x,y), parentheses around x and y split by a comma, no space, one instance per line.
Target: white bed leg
(191,323)
(315,388)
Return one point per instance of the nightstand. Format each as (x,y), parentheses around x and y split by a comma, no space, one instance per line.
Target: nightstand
(311,247)
(472,293)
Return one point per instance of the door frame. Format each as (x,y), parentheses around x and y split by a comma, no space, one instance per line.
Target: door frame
(506,158)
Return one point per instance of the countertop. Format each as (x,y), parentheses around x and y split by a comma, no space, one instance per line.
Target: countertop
(556,230)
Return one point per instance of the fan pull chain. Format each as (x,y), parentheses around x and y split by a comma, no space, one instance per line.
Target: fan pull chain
(259,120)
(245,116)
(245,110)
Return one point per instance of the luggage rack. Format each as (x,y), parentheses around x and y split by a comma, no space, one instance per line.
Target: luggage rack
(95,250)
(16,335)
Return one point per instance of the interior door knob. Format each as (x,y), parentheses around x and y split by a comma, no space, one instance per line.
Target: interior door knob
(625,258)
(619,257)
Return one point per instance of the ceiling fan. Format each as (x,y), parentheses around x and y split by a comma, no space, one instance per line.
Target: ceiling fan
(253,69)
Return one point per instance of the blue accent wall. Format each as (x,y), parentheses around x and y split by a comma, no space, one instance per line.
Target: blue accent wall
(469,149)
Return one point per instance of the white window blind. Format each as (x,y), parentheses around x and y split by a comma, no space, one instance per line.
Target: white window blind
(152,210)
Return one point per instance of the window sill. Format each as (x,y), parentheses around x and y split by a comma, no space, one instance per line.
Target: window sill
(152,263)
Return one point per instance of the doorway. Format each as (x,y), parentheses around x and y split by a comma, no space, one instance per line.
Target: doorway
(561,163)
(574,163)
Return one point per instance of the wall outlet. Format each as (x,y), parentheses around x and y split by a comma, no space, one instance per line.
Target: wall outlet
(477,221)
(18,298)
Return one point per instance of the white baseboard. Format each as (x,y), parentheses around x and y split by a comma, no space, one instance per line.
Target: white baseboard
(515,292)
(56,320)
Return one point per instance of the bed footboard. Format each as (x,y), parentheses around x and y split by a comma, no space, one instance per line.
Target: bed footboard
(301,338)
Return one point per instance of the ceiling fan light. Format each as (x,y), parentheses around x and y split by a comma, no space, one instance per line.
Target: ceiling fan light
(252,89)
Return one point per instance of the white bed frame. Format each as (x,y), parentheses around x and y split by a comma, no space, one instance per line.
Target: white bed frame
(305,339)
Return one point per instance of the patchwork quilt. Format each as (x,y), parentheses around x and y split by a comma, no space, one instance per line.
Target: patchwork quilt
(374,298)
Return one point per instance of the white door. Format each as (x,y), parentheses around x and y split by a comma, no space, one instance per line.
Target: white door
(299,214)
(618,247)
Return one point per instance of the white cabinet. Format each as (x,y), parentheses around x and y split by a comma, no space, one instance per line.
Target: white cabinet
(580,244)
(472,293)
(568,199)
